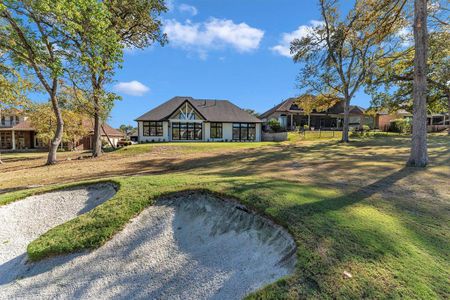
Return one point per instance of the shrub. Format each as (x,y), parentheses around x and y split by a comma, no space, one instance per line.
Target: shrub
(274,125)
(366,128)
(400,125)
(105,144)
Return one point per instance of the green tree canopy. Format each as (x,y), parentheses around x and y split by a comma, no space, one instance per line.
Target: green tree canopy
(43,121)
(39,35)
(339,52)
(392,83)
(132,24)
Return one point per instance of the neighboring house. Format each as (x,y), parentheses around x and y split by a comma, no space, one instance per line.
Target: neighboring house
(292,117)
(435,122)
(17,133)
(86,142)
(189,119)
(134,136)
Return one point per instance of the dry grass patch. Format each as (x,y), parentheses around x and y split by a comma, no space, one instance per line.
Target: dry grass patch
(351,208)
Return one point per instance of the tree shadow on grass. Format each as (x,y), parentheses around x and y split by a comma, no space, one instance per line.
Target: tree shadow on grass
(310,221)
(372,156)
(329,237)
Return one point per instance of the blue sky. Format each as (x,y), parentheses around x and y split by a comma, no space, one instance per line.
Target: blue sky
(221,49)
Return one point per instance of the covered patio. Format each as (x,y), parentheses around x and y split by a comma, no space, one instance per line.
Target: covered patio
(17,139)
(291,117)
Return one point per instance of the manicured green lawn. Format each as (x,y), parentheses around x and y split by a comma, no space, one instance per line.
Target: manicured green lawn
(392,249)
(314,135)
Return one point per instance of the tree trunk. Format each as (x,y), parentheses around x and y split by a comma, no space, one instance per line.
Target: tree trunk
(97,86)
(448,108)
(97,138)
(56,141)
(419,155)
(346,127)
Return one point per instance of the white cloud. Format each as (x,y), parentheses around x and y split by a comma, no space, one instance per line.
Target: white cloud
(186,8)
(283,48)
(132,88)
(213,34)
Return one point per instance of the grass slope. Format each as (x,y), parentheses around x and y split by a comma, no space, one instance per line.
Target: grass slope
(390,252)
(350,207)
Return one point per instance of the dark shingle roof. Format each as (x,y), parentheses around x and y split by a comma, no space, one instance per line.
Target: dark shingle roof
(281,107)
(211,110)
(289,105)
(89,126)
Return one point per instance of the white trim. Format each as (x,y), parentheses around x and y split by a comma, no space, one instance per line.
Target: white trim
(13,139)
(227,132)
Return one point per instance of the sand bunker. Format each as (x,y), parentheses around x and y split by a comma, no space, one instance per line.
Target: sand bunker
(25,220)
(190,246)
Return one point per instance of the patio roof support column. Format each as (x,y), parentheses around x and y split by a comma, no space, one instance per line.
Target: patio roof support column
(292,121)
(13,139)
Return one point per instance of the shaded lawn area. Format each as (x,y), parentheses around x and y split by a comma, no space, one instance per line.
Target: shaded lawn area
(351,208)
(318,162)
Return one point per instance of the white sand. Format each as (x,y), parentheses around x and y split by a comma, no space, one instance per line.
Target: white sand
(185,247)
(25,220)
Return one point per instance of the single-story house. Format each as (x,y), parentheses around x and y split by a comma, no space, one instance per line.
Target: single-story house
(17,133)
(189,119)
(292,117)
(107,131)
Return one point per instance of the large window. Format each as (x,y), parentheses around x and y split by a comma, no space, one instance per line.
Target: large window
(216,131)
(5,140)
(186,131)
(186,112)
(244,131)
(153,128)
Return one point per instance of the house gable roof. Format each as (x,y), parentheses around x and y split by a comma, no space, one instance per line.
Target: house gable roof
(181,106)
(281,107)
(211,110)
(88,124)
(288,105)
